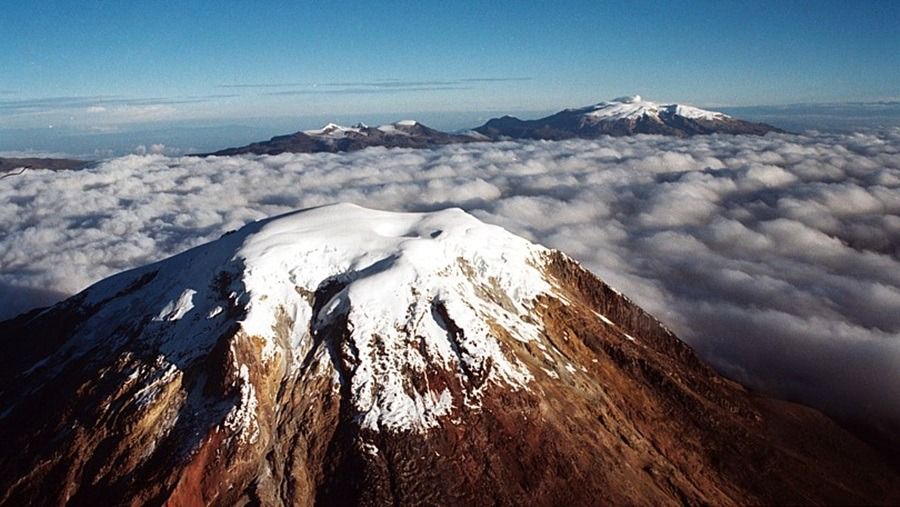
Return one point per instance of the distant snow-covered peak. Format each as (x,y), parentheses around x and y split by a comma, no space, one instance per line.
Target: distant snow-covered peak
(622,108)
(634,107)
(334,130)
(325,129)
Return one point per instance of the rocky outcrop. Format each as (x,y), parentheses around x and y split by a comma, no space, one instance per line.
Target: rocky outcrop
(347,356)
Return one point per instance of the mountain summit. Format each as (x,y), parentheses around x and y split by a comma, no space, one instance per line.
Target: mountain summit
(342,355)
(621,117)
(335,138)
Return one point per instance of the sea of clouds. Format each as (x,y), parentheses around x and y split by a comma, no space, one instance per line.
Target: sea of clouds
(776,258)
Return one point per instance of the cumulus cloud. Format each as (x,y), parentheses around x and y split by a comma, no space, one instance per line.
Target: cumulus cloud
(777,258)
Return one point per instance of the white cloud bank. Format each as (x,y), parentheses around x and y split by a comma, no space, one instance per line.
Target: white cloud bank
(777,258)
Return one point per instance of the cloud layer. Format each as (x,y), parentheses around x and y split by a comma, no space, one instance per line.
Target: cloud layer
(777,258)
(376,86)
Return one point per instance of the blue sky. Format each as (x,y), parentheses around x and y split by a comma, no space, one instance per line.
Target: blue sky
(97,65)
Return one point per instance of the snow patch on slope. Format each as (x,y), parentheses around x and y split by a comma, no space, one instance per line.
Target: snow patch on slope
(694,112)
(241,419)
(176,309)
(333,130)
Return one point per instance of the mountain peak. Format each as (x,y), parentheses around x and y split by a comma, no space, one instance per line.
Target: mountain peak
(375,275)
(385,272)
(635,107)
(344,356)
(623,116)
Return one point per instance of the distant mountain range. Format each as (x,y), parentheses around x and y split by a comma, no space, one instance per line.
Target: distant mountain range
(623,116)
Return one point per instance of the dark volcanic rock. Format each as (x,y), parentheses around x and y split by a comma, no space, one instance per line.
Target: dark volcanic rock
(334,138)
(346,356)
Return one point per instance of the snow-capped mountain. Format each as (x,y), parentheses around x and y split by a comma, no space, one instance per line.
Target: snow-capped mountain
(342,355)
(334,138)
(620,117)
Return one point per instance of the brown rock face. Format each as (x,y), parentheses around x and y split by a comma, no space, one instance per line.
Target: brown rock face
(104,407)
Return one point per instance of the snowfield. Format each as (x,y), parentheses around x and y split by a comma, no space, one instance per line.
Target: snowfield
(777,257)
(634,107)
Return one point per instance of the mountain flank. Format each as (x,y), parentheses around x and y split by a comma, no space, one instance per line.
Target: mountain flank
(341,355)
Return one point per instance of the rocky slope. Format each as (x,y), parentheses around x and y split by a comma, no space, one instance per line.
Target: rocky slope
(334,138)
(623,116)
(341,355)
